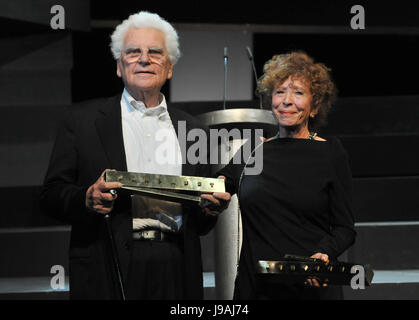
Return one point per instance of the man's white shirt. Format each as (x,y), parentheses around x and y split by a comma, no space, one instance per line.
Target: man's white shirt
(151,144)
(150,141)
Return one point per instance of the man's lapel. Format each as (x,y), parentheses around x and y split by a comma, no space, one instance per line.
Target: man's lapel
(109,127)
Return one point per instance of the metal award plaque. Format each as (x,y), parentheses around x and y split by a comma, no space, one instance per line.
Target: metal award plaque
(296,269)
(169,187)
(157,199)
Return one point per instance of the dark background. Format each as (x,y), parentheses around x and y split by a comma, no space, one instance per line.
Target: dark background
(362,63)
(303,12)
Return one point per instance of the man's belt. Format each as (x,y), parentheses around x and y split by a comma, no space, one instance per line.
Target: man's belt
(154,235)
(296,269)
(168,187)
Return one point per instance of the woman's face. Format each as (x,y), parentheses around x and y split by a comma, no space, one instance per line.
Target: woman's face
(292,103)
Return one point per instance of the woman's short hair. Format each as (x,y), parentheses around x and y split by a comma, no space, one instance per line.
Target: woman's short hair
(146,19)
(299,65)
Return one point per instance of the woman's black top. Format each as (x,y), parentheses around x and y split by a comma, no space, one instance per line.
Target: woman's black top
(299,204)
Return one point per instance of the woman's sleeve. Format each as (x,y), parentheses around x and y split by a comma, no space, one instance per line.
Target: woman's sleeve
(342,231)
(233,170)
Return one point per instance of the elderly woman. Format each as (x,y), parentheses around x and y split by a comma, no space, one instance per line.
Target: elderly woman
(301,202)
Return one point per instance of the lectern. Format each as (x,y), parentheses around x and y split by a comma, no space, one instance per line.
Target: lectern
(228,231)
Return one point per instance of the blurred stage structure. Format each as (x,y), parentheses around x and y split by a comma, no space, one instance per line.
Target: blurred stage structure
(380,134)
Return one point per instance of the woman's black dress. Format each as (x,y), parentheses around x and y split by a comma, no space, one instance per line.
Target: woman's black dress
(299,204)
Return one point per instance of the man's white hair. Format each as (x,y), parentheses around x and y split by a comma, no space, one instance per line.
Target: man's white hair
(144,19)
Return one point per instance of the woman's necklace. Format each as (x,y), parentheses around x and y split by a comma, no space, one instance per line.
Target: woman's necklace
(312,135)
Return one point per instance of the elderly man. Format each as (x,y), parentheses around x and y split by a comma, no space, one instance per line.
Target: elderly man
(120,133)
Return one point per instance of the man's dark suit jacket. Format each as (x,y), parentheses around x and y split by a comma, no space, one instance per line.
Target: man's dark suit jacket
(89,141)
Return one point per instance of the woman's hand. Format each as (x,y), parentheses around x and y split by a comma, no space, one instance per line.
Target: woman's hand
(314,281)
(321,256)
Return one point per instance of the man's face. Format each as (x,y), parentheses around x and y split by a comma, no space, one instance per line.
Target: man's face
(144,65)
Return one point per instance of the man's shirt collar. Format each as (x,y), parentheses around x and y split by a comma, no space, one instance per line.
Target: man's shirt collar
(159,111)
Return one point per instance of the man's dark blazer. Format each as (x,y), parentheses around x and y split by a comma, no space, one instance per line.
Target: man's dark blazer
(88,142)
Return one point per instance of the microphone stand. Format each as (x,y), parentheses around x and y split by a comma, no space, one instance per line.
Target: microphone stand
(114,254)
(225,76)
(252,62)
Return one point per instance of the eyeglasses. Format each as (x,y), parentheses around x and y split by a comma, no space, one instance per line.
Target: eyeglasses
(132,55)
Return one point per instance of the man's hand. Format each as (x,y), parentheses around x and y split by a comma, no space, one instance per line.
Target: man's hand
(313,281)
(98,197)
(215,203)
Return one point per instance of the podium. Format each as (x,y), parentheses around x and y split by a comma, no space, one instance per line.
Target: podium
(228,231)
